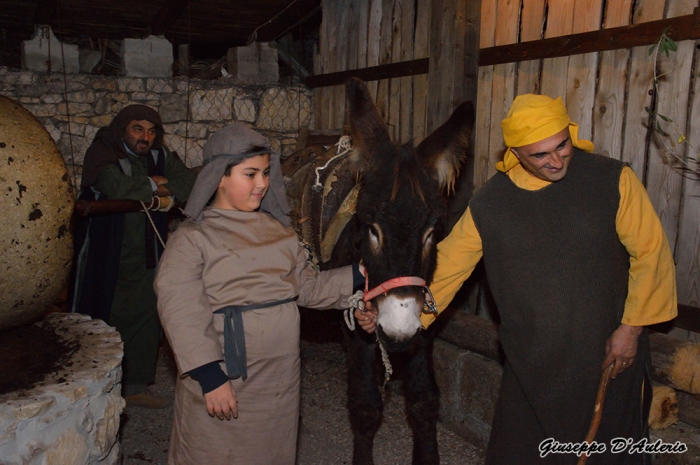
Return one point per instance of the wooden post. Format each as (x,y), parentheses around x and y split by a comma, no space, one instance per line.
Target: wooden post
(453,75)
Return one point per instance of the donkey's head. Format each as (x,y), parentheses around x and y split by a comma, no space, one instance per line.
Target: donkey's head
(401,209)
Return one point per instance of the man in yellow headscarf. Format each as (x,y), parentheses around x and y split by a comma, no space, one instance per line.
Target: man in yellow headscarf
(578,264)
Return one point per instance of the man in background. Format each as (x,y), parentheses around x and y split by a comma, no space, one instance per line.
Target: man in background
(117,253)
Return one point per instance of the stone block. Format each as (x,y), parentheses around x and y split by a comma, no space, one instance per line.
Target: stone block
(102,120)
(160,86)
(102,83)
(84,96)
(102,105)
(145,96)
(69,448)
(44,48)
(269,63)
(469,385)
(37,91)
(72,392)
(191,131)
(72,119)
(245,109)
(149,57)
(90,132)
(130,85)
(211,105)
(108,424)
(41,111)
(52,130)
(256,63)
(72,149)
(181,85)
(189,150)
(52,98)
(72,109)
(32,408)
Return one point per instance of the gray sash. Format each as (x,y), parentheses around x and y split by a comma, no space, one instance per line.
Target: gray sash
(234,336)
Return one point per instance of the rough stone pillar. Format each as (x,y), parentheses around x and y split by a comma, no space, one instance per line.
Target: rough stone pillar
(258,63)
(44,48)
(149,57)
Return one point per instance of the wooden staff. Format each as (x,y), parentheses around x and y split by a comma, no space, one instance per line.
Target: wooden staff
(597,411)
(100,207)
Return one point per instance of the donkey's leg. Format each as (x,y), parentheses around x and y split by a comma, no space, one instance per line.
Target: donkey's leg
(364,399)
(422,401)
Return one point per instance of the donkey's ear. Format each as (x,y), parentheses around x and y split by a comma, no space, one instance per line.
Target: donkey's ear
(364,124)
(443,152)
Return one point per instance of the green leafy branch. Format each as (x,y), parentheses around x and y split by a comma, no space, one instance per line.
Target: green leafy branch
(666,45)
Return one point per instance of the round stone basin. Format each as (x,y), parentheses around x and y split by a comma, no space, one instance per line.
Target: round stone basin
(71,416)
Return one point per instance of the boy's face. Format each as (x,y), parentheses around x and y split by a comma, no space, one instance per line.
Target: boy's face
(245,187)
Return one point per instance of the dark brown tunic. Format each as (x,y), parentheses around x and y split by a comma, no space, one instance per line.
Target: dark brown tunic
(559,276)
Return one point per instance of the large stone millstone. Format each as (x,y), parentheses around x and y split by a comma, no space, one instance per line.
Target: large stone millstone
(35,211)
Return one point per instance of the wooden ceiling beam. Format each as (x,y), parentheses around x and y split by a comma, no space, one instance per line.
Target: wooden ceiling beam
(44,11)
(275,26)
(166,16)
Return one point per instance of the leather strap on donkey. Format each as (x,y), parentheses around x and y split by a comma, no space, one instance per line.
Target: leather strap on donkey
(322,188)
(401,281)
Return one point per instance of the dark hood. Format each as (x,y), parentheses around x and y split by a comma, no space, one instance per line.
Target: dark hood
(108,145)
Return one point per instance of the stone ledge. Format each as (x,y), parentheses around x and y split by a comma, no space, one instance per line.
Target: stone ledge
(72,416)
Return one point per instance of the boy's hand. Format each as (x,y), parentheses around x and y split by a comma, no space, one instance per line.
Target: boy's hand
(221,402)
(367,318)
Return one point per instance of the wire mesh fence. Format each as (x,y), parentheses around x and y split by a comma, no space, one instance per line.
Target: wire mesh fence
(73,109)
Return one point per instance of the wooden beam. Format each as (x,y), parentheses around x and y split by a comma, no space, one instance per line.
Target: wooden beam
(674,362)
(688,318)
(287,19)
(166,16)
(680,28)
(470,332)
(373,73)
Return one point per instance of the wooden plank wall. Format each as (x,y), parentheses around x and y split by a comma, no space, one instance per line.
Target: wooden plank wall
(605,92)
(361,33)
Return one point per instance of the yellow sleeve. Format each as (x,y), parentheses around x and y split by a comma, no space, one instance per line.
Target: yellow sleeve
(651,296)
(457,255)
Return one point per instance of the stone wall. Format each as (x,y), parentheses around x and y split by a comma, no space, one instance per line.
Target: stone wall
(73,107)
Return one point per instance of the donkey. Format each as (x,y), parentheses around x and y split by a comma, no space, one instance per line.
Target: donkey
(400,216)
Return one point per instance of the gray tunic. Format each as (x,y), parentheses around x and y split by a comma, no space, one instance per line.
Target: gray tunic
(239,258)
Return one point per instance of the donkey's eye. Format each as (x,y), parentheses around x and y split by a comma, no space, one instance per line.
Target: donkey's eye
(375,237)
(428,236)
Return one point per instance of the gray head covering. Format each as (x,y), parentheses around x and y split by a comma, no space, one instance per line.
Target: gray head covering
(232,143)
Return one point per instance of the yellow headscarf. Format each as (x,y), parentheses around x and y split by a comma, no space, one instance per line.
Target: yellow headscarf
(533,118)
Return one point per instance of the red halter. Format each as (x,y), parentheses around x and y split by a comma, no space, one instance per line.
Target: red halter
(401,281)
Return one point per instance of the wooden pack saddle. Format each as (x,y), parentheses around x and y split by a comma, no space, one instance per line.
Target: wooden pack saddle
(322,186)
